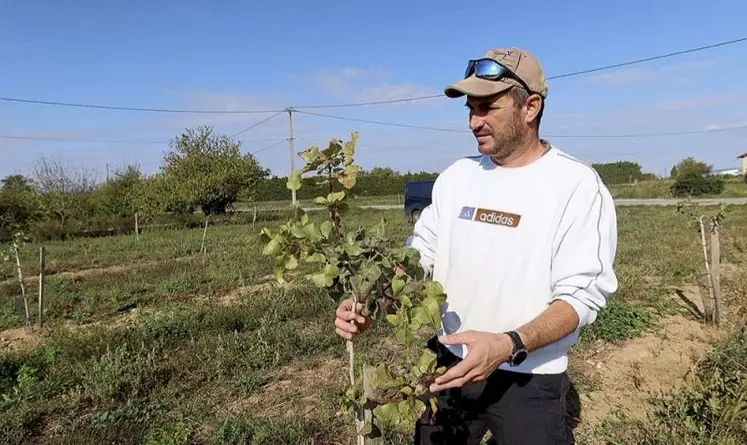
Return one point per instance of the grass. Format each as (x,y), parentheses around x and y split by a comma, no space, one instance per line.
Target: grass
(191,367)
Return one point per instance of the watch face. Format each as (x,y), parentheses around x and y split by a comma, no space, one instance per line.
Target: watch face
(519,357)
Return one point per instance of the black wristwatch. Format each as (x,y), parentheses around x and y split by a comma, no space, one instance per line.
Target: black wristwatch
(519,354)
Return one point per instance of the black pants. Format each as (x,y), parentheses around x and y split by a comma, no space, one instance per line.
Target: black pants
(518,409)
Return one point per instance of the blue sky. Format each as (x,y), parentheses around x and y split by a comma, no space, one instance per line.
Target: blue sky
(232,55)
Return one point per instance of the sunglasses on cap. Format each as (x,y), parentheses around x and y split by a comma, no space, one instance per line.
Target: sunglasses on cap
(491,70)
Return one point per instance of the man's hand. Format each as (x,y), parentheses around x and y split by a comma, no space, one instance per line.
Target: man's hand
(345,315)
(487,351)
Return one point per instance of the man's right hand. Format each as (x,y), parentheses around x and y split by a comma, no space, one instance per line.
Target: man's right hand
(345,315)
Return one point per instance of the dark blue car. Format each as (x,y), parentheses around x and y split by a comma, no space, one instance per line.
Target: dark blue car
(417,197)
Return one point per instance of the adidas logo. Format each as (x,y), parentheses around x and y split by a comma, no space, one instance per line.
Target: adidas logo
(490,216)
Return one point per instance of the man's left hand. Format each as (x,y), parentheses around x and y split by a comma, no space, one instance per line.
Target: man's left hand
(487,351)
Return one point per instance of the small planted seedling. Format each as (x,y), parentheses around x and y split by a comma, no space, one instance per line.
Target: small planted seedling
(360,263)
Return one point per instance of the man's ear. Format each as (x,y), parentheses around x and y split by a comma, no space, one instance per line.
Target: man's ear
(534,106)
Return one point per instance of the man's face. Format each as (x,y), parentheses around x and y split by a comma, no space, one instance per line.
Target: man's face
(497,124)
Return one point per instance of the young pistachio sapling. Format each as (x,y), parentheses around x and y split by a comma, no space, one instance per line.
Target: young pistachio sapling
(360,263)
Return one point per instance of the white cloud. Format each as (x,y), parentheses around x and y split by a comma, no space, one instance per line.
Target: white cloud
(354,84)
(680,73)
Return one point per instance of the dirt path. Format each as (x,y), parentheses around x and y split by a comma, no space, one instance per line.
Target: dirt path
(626,374)
(95,270)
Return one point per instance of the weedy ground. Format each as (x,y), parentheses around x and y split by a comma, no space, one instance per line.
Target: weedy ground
(153,342)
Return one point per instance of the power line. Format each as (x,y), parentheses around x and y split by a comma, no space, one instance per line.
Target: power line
(359,104)
(648,59)
(388,124)
(590,136)
(269,147)
(379,102)
(99,141)
(60,139)
(647,135)
(255,125)
(119,108)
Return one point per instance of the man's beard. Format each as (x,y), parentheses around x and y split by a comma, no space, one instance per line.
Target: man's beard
(508,141)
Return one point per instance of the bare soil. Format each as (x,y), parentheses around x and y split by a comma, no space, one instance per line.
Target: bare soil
(18,339)
(294,390)
(628,373)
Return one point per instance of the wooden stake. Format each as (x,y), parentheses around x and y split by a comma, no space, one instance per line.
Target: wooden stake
(709,282)
(204,233)
(716,272)
(137,228)
(23,289)
(42,266)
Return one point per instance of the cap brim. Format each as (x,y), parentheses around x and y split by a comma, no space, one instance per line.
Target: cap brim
(476,87)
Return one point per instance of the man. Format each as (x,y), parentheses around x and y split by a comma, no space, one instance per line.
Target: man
(523,238)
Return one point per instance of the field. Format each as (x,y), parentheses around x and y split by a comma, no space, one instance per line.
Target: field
(154,342)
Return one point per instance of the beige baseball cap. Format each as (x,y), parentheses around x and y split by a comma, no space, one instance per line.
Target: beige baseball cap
(520,62)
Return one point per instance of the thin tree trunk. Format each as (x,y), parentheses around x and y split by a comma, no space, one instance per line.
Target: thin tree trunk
(204,233)
(709,282)
(42,273)
(23,288)
(716,273)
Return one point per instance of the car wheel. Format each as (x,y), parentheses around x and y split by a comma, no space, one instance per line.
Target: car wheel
(415,215)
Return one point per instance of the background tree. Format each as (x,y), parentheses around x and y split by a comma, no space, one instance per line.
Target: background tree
(116,197)
(620,172)
(694,178)
(208,170)
(19,205)
(64,190)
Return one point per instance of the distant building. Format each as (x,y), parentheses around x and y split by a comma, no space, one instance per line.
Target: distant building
(728,172)
(743,157)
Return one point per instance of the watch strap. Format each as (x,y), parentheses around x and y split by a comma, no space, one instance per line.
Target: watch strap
(516,339)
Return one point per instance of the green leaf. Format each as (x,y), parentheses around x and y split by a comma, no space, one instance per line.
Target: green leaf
(349,148)
(398,283)
(316,258)
(331,271)
(434,290)
(335,197)
(384,380)
(272,248)
(353,250)
(277,272)
(432,310)
(394,319)
(305,219)
(388,415)
(372,272)
(321,200)
(311,232)
(434,405)
(405,302)
(294,180)
(321,280)
(292,263)
(343,208)
(326,228)
(311,155)
(297,231)
(427,362)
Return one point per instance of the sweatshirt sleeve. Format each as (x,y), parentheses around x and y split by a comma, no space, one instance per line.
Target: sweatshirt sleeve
(584,251)
(424,237)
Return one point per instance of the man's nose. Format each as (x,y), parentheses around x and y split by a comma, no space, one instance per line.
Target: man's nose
(475,122)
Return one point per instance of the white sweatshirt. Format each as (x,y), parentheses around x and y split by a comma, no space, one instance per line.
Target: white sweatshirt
(506,242)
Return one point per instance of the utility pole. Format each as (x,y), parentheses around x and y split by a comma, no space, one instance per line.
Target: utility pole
(291,151)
